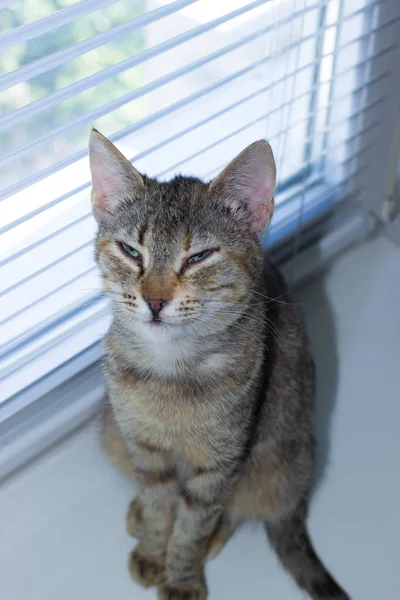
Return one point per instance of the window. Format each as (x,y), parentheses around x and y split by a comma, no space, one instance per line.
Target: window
(179,86)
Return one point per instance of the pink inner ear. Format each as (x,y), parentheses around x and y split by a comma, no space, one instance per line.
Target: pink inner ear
(250,178)
(112,175)
(260,195)
(104,186)
(261,215)
(261,206)
(101,182)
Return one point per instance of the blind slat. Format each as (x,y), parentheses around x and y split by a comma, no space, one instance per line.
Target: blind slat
(178,105)
(160,114)
(177,165)
(24,33)
(17,356)
(55,59)
(82,85)
(362,131)
(7,3)
(141,91)
(110,106)
(129,97)
(38,327)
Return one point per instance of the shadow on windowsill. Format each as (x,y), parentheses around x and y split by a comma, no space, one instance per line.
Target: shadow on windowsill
(320,324)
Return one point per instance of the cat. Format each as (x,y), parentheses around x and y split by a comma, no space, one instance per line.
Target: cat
(208,371)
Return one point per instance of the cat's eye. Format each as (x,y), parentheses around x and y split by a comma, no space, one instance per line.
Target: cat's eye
(199,257)
(131,252)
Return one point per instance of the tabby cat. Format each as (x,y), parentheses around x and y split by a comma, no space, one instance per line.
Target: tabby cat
(208,371)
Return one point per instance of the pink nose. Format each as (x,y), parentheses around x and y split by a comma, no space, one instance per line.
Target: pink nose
(156,305)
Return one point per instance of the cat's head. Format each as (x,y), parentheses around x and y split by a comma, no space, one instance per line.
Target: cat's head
(182,256)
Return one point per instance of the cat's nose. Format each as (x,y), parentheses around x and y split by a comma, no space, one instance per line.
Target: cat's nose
(156,305)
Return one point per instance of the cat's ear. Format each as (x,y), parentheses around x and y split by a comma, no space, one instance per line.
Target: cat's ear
(113,177)
(250,180)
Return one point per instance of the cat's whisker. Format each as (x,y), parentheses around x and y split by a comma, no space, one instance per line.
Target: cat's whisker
(269,299)
(254,318)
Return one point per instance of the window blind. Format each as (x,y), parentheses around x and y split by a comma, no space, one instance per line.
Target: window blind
(179,86)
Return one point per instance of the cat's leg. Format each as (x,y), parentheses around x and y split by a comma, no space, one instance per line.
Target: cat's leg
(199,509)
(151,517)
(187,550)
(122,456)
(147,560)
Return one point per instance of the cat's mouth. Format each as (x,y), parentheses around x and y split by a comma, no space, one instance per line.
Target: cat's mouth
(163,326)
(159,322)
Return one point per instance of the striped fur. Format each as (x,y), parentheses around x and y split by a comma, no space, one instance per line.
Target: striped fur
(211,400)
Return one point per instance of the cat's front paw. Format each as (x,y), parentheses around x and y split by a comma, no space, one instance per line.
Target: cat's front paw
(169,591)
(147,571)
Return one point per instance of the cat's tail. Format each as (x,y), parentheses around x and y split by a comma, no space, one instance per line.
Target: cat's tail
(290,539)
(114,444)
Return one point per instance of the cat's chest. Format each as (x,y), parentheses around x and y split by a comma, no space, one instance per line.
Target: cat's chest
(167,416)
